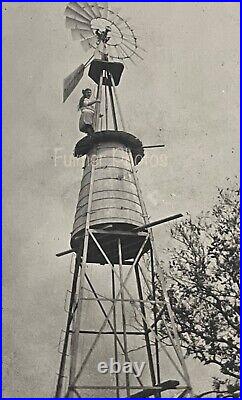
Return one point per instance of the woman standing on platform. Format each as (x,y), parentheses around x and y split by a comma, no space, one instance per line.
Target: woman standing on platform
(87,112)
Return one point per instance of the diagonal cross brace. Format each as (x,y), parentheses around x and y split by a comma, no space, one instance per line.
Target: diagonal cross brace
(134,305)
(111,309)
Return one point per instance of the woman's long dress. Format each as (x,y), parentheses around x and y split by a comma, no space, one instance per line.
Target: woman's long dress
(87,117)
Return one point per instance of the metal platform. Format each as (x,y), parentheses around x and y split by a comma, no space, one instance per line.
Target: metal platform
(85,145)
(108,239)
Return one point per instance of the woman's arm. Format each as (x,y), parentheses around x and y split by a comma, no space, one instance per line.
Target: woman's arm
(90,103)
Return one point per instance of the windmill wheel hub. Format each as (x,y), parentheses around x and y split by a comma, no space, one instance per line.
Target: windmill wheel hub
(106,33)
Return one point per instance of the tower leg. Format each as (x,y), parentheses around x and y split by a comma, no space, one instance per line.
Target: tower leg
(123,313)
(75,334)
(67,333)
(77,320)
(160,273)
(115,332)
(145,327)
(155,315)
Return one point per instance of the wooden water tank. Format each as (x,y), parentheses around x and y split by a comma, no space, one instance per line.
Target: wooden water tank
(115,200)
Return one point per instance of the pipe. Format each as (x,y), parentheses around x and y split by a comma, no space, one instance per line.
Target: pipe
(64,253)
(158,222)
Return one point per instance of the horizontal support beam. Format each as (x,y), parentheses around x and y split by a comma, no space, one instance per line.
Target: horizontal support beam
(110,333)
(119,300)
(158,222)
(106,232)
(154,147)
(118,233)
(125,387)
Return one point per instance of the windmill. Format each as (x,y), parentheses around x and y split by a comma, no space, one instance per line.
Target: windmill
(103,32)
(115,261)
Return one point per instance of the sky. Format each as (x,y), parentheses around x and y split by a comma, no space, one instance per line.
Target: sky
(185,94)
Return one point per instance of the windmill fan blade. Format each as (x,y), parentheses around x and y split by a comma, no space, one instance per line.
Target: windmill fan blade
(127,57)
(84,11)
(126,32)
(74,24)
(120,22)
(96,9)
(118,55)
(133,51)
(104,10)
(87,35)
(89,9)
(116,10)
(91,40)
(76,7)
(113,17)
(123,51)
(86,42)
(76,34)
(130,40)
(73,14)
(134,43)
(71,81)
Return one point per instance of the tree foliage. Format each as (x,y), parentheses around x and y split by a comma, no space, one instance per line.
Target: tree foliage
(204,289)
